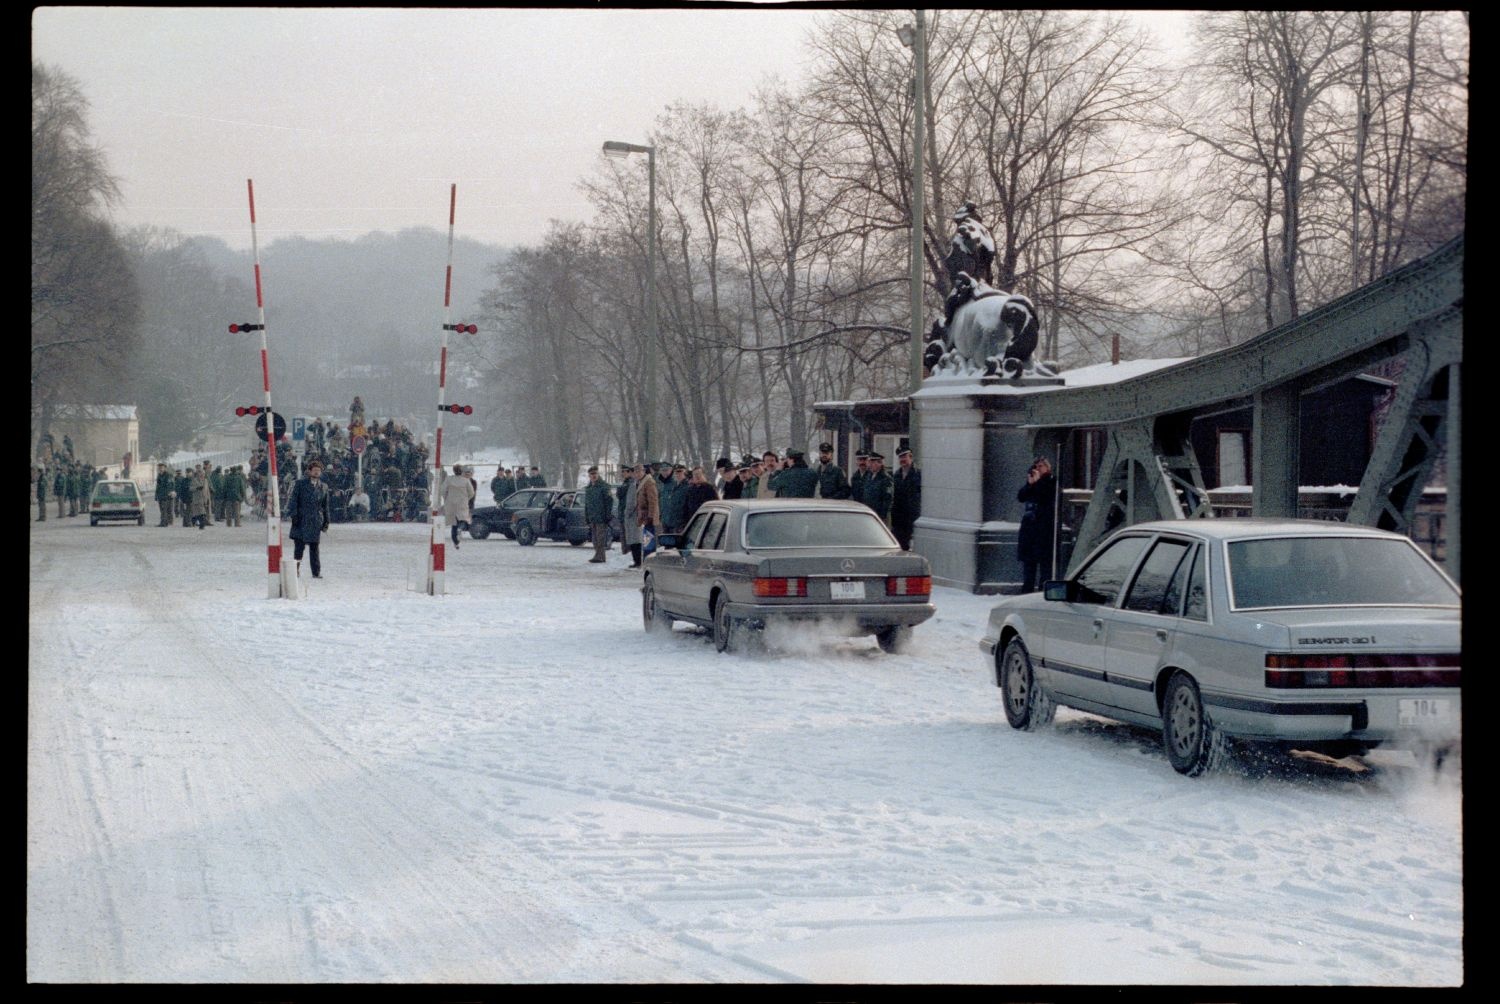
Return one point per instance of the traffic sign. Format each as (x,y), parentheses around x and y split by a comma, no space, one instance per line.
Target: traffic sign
(260,427)
(357,444)
(299,429)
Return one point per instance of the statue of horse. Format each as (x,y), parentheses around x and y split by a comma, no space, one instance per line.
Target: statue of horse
(993,332)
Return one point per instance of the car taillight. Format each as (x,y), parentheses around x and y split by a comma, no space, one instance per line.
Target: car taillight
(780,587)
(135,505)
(1295,672)
(98,505)
(908,585)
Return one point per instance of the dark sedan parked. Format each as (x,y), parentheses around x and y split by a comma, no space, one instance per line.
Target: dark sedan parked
(560,519)
(500,518)
(742,564)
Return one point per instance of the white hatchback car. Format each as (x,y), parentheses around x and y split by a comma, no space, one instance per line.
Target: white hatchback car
(1304,633)
(116,500)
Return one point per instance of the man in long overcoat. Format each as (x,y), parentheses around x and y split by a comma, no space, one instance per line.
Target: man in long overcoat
(648,507)
(906,500)
(630,530)
(458,491)
(307,510)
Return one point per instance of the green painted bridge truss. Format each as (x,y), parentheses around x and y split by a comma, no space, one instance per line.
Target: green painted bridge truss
(1415,313)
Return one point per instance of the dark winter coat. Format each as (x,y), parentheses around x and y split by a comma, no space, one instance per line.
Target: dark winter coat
(307,509)
(164,486)
(876,491)
(734,488)
(1034,541)
(906,500)
(234,486)
(596,506)
(831,482)
(673,494)
(795,482)
(694,497)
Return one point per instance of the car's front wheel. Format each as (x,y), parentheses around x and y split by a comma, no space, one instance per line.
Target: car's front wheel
(1027,705)
(1194,743)
(479,531)
(525,535)
(894,639)
(656,619)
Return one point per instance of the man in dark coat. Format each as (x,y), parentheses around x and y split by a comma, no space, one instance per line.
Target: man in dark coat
(860,474)
(1038,497)
(831,481)
(164,494)
(877,489)
(184,497)
(699,491)
(596,511)
(906,499)
(41,495)
(673,494)
(307,510)
(796,481)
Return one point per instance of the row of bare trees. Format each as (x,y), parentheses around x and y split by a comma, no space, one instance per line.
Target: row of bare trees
(1187,207)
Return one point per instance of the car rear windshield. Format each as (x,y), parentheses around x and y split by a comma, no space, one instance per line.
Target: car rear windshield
(1334,571)
(116,493)
(816,529)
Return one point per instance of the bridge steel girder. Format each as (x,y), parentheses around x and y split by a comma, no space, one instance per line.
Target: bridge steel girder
(1154,465)
(1338,338)
(1424,414)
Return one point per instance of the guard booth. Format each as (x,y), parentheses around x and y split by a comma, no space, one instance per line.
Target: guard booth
(879,424)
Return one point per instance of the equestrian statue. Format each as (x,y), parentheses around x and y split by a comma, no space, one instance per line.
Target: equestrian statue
(984,330)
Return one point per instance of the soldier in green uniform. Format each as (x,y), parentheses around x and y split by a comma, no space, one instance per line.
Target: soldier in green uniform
(234,495)
(216,489)
(797,481)
(41,494)
(60,488)
(877,490)
(831,481)
(861,472)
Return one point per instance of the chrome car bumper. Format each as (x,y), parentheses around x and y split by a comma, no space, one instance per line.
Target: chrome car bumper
(865,615)
(1361,715)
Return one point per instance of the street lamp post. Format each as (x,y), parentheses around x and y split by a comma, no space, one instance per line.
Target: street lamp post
(915,37)
(616,149)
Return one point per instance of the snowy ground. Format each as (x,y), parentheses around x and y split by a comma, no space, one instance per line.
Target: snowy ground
(513,783)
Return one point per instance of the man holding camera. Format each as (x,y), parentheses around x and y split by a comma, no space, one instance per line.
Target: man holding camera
(1038,497)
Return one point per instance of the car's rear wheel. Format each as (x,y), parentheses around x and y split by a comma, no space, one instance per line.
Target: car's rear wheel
(479,531)
(140,521)
(894,639)
(577,541)
(1193,742)
(93,521)
(656,619)
(1027,705)
(525,535)
(726,630)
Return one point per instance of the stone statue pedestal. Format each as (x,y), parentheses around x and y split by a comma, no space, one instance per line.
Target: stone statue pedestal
(974,458)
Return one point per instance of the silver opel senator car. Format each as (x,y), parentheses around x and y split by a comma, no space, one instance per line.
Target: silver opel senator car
(1307,634)
(739,564)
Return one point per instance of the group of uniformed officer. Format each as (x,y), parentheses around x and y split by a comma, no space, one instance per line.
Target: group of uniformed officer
(220,494)
(70,482)
(897,499)
(505,482)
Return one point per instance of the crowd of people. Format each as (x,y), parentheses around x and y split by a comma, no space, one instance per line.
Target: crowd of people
(67,480)
(662,498)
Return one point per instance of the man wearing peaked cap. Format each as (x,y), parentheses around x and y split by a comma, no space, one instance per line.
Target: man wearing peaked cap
(877,488)
(797,481)
(831,481)
(906,498)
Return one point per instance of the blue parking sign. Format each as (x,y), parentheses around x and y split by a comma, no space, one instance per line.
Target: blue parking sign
(299,429)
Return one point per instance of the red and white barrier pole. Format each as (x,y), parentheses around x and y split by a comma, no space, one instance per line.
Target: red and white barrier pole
(276,585)
(436,559)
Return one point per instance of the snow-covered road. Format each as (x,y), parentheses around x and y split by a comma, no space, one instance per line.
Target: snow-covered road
(515,783)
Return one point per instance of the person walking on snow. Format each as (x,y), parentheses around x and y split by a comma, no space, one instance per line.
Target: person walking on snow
(458,490)
(307,510)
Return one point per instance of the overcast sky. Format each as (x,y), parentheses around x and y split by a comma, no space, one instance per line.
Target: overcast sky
(357,120)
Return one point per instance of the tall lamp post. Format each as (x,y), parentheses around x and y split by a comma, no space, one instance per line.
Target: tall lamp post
(914,36)
(616,149)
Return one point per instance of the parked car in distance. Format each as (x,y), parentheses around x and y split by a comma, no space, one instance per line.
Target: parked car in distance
(739,565)
(1305,634)
(116,500)
(561,519)
(498,518)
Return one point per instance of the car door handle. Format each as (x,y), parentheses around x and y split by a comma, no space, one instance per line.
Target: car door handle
(1098,626)
(1161,634)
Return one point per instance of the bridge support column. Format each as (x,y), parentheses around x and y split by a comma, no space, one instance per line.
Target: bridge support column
(1276,459)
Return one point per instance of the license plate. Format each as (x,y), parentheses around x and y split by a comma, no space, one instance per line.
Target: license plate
(1424,711)
(847,590)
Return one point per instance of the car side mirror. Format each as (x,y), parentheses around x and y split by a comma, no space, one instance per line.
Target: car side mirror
(1057,589)
(667,540)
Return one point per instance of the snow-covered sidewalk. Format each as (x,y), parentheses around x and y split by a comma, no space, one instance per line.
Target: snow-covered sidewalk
(515,783)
